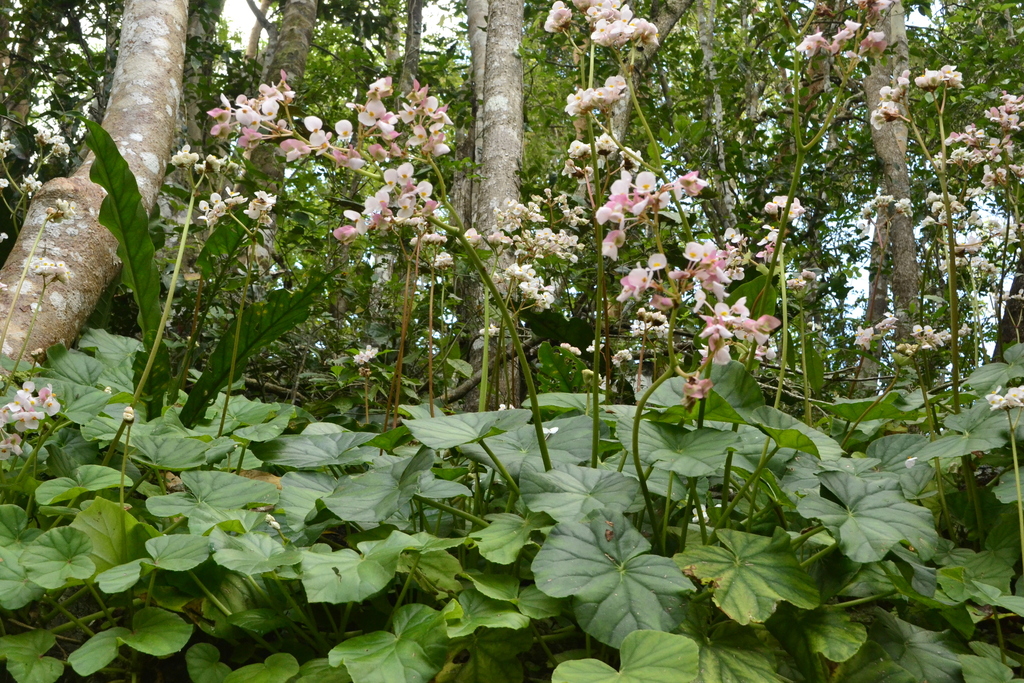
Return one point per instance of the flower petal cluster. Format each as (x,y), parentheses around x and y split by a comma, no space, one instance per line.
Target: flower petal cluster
(25,412)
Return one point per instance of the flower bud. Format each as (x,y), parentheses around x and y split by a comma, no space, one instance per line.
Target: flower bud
(129,415)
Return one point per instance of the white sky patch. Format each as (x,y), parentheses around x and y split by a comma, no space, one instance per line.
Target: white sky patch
(240,20)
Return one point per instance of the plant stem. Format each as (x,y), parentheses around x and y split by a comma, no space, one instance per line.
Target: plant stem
(1016,478)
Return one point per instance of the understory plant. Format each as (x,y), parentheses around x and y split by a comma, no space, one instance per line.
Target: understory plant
(701,516)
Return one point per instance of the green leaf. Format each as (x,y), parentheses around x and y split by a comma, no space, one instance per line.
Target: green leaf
(985,670)
(864,409)
(16,589)
(321,671)
(14,529)
(783,429)
(348,576)
(534,604)
(116,536)
(57,556)
(26,657)
(73,366)
(313,451)
(124,215)
(219,490)
(226,239)
(498,586)
(177,553)
(751,574)
(450,431)
(110,349)
(617,587)
(439,567)
(479,611)
(519,446)
(873,516)
(277,668)
(569,493)
(262,323)
(806,634)
(170,452)
(413,654)
(251,553)
(735,655)
(507,534)
(204,665)
(85,479)
(376,495)
(695,453)
(120,578)
(157,632)
(492,656)
(265,431)
(927,655)
(646,657)
(97,652)
(872,664)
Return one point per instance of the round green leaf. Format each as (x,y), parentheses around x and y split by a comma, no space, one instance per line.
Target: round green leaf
(57,556)
(277,668)
(450,431)
(617,587)
(14,529)
(157,632)
(26,657)
(178,552)
(97,652)
(478,611)
(85,479)
(251,553)
(170,452)
(695,453)
(350,576)
(16,589)
(501,542)
(646,656)
(751,574)
(204,665)
(569,493)
(413,654)
(873,517)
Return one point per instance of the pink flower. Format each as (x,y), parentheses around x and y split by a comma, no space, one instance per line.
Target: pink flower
(691,184)
(559,18)
(294,149)
(874,44)
(346,234)
(634,284)
(813,44)
(611,244)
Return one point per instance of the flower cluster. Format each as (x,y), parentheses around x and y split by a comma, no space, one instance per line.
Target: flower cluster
(531,285)
(649,324)
(933,79)
(727,322)
(611,23)
(865,335)
(45,138)
(61,210)
(586,100)
(366,355)
(929,338)
(816,44)
(58,270)
(1013,398)
(778,204)
(219,205)
(401,201)
(632,198)
(25,412)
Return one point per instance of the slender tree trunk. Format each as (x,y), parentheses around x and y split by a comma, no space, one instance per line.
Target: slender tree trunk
(295,36)
(724,206)
(252,48)
(140,117)
(413,39)
(202,23)
(502,112)
(890,144)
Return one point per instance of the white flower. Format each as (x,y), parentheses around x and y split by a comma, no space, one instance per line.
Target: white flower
(185,158)
(366,355)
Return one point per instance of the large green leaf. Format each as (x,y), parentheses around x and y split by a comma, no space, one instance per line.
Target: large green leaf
(14,529)
(695,453)
(479,611)
(507,534)
(73,366)
(85,479)
(927,655)
(569,493)
(873,516)
(116,536)
(26,657)
(277,668)
(16,589)
(617,587)
(872,664)
(313,451)
(60,554)
(204,665)
(449,431)
(568,441)
(750,574)
(986,670)
(733,654)
(124,215)
(992,375)
(251,553)
(177,553)
(170,452)
(97,652)
(157,632)
(348,576)
(216,490)
(646,657)
(262,323)
(376,495)
(806,634)
(412,654)
(492,656)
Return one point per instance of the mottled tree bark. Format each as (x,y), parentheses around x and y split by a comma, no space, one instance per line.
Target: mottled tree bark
(724,205)
(140,116)
(413,39)
(890,142)
(501,113)
(202,22)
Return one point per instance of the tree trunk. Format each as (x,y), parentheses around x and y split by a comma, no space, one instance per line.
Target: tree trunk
(890,144)
(20,78)
(413,39)
(252,48)
(502,112)
(202,23)
(140,116)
